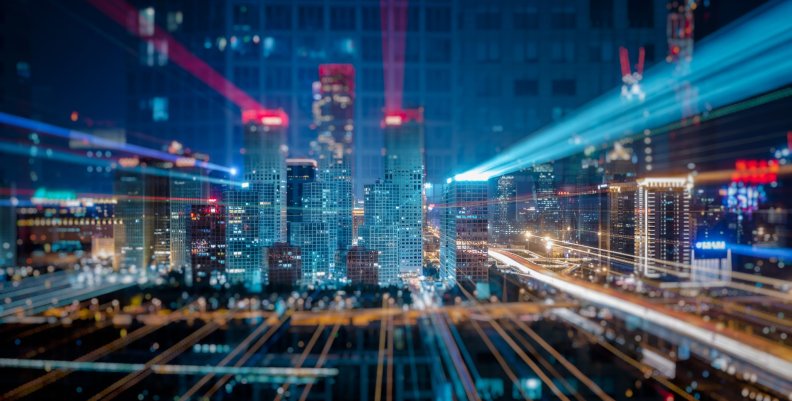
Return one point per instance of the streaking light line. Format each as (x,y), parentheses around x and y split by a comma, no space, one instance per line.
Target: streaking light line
(750,57)
(120,367)
(88,139)
(125,15)
(49,154)
(757,357)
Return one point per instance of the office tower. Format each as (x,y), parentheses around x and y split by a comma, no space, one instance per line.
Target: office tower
(265,169)
(463,233)
(662,231)
(299,172)
(357,222)
(548,208)
(187,187)
(333,110)
(207,246)
(363,266)
(317,234)
(132,245)
(617,225)
(503,222)
(284,263)
(404,170)
(244,246)
(379,230)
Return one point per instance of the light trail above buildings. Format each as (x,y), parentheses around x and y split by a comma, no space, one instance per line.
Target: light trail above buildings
(745,59)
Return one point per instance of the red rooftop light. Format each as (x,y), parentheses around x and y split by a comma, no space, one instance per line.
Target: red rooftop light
(395,118)
(266,117)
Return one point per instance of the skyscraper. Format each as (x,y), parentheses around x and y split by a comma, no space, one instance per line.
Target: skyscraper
(404,169)
(662,217)
(299,172)
(244,248)
(463,232)
(207,246)
(265,169)
(333,110)
(187,187)
(503,222)
(617,225)
(379,230)
(548,209)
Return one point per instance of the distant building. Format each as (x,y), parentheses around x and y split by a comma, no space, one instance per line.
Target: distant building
(207,233)
(299,172)
(548,208)
(617,225)
(663,231)
(187,186)
(244,247)
(503,221)
(317,234)
(363,266)
(463,233)
(404,170)
(133,245)
(61,232)
(284,263)
(379,230)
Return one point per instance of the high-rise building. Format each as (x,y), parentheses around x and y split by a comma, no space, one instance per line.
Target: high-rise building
(299,172)
(662,232)
(207,246)
(132,245)
(463,233)
(363,266)
(333,111)
(617,225)
(379,230)
(503,221)
(548,208)
(8,227)
(265,169)
(481,73)
(187,187)
(317,234)
(404,170)
(284,263)
(244,247)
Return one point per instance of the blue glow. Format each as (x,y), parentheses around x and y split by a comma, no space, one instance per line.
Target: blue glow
(471,176)
(768,253)
(747,58)
(53,130)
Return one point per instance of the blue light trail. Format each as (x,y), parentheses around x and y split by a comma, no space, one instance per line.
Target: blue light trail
(72,135)
(747,58)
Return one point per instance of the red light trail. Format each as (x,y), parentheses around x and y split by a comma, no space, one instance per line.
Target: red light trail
(127,16)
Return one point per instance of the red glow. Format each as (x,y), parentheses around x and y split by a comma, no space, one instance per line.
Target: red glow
(789,140)
(399,117)
(266,117)
(127,16)
(755,172)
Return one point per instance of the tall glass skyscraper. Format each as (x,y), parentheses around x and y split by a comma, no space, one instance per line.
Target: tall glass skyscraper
(379,230)
(463,233)
(662,231)
(404,169)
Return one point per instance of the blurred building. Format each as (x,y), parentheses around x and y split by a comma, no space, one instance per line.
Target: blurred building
(486,75)
(188,186)
(463,233)
(548,219)
(503,221)
(404,170)
(617,239)
(285,264)
(363,266)
(207,246)
(662,225)
(61,231)
(317,234)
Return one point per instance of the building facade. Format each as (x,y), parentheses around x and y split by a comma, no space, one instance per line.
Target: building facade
(207,246)
(285,265)
(662,228)
(363,266)
(463,233)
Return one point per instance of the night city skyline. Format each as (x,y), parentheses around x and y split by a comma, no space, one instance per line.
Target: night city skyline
(395,199)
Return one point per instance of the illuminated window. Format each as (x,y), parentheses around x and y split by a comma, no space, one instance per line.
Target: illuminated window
(159,109)
(146,21)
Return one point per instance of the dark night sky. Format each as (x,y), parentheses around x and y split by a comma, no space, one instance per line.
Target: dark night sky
(78,63)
